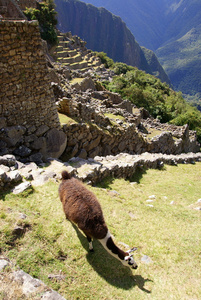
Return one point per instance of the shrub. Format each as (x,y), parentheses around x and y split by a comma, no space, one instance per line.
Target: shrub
(108,62)
(46,15)
(192,118)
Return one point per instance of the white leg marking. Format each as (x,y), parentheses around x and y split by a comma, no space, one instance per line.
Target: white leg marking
(104,240)
(90,246)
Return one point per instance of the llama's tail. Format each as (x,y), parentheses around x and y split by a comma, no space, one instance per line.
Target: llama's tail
(65,175)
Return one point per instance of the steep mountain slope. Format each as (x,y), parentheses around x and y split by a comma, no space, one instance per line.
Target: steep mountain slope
(106,32)
(145,18)
(184,62)
(167,27)
(182,16)
(180,55)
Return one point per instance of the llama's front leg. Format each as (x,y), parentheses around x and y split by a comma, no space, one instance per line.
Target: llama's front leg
(90,244)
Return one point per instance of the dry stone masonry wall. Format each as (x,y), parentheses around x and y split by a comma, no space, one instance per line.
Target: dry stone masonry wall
(26,97)
(9,9)
(29,122)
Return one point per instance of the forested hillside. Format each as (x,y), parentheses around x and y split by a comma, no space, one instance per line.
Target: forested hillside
(170,28)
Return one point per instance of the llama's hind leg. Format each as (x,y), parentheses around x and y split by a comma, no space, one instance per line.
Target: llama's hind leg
(90,244)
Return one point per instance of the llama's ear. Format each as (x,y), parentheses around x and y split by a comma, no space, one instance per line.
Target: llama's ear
(132,250)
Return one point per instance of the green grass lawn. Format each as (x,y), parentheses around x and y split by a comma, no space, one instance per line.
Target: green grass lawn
(168,232)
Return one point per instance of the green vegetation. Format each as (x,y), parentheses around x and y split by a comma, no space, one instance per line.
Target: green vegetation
(168,232)
(114,117)
(145,90)
(65,119)
(108,62)
(76,80)
(46,15)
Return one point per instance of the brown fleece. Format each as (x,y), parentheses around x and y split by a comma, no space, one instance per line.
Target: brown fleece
(81,207)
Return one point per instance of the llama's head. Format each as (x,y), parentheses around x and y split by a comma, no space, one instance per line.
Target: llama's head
(128,259)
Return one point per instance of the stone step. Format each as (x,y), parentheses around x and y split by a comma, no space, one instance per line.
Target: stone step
(64,44)
(70,59)
(66,64)
(73,52)
(61,37)
(59,48)
(78,58)
(64,60)
(83,70)
(62,53)
(96,63)
(90,56)
(78,66)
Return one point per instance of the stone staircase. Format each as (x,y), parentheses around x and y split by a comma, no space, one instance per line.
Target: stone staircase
(72,53)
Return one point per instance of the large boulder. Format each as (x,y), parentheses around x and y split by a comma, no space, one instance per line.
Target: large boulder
(84,85)
(56,141)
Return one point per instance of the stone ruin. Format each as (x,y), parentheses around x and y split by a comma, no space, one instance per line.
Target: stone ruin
(35,87)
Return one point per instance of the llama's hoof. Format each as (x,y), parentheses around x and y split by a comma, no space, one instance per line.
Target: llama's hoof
(91,250)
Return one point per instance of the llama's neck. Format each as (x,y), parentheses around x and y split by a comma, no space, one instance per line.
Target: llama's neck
(110,246)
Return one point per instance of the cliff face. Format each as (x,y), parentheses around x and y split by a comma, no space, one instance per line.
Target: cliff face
(105,32)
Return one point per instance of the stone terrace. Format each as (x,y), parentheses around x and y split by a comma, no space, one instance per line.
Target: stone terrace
(72,53)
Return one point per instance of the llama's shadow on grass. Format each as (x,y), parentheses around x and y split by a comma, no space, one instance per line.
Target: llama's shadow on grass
(109,267)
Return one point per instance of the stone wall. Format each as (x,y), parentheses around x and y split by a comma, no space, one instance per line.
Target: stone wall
(9,9)
(25,96)
(85,140)
(27,105)
(27,3)
(89,140)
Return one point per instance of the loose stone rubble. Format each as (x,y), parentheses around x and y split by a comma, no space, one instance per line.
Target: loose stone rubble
(17,176)
(16,284)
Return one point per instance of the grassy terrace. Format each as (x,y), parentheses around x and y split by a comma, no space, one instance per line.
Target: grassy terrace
(65,119)
(168,232)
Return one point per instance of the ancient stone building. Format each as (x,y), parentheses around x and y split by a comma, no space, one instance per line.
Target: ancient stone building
(26,97)
(29,122)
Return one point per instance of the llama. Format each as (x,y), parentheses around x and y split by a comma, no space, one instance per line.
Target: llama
(83,209)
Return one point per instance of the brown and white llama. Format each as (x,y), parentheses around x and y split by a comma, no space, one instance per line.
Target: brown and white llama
(83,209)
